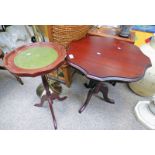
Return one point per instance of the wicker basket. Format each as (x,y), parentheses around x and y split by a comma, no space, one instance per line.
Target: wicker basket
(64,34)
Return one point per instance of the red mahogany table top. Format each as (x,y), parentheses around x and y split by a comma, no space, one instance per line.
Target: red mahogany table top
(104,58)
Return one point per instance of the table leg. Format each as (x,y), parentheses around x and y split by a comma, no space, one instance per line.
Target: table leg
(104,91)
(17,77)
(43,99)
(49,97)
(93,90)
(96,87)
(52,112)
(89,95)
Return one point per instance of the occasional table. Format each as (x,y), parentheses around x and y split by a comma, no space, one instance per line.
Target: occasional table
(37,59)
(106,59)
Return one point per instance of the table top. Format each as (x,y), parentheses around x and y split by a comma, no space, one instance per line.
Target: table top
(35,59)
(105,58)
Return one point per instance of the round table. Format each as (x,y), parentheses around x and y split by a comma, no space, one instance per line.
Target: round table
(106,59)
(37,59)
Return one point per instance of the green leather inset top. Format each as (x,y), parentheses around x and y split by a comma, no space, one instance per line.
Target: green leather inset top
(35,57)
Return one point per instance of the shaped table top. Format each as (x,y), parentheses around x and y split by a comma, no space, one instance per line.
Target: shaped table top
(35,59)
(104,58)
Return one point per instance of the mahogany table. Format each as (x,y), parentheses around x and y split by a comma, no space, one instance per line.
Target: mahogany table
(37,59)
(106,59)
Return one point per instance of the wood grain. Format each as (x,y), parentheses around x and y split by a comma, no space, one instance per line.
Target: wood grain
(105,58)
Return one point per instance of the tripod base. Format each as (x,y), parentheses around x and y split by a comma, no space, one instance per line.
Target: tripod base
(49,97)
(96,87)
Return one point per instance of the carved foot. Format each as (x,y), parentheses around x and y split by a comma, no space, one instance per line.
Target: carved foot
(90,93)
(19,80)
(43,99)
(111,101)
(53,116)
